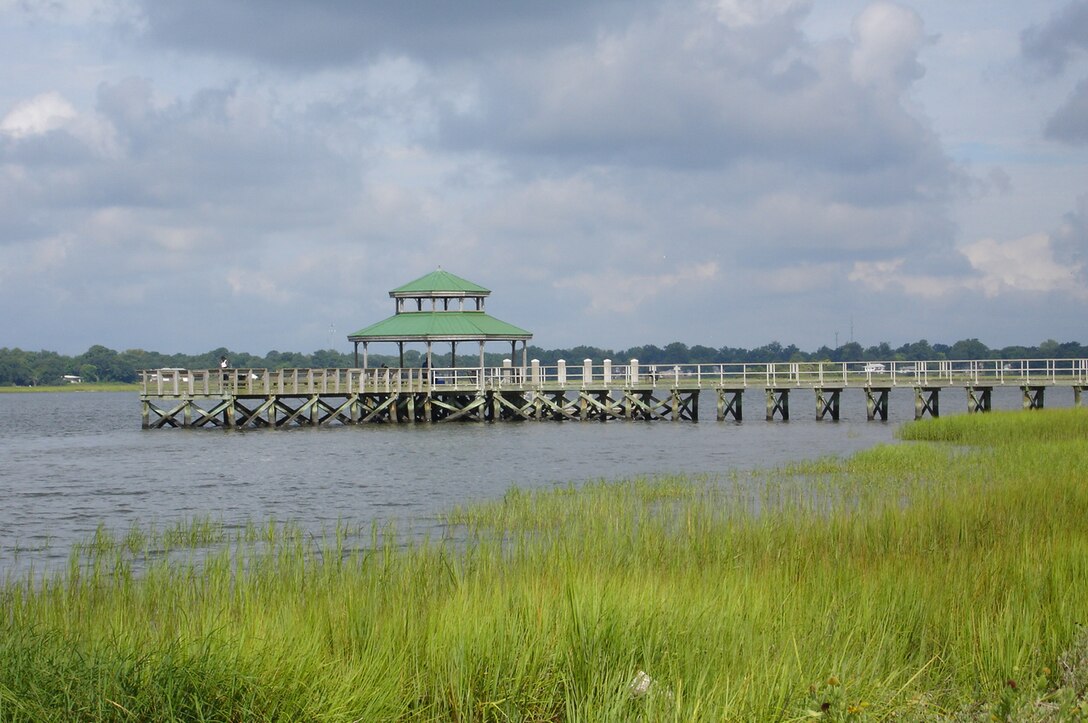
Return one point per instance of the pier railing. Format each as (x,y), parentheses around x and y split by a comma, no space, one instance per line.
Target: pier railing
(609,375)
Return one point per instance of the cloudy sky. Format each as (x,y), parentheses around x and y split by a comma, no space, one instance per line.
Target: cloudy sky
(257,174)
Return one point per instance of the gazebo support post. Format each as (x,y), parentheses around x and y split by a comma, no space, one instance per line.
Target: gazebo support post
(357,354)
(400,347)
(453,355)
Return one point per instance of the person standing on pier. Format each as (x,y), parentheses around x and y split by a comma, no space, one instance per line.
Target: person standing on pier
(224,364)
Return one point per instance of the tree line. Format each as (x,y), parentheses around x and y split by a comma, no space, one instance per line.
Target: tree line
(101,364)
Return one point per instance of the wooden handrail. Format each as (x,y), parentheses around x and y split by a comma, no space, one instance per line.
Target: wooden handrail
(932,373)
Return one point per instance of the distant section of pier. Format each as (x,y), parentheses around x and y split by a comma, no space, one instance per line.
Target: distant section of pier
(275,398)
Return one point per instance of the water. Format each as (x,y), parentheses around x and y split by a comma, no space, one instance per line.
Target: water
(72,461)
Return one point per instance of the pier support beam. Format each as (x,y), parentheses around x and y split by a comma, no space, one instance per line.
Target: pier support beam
(876,403)
(927,400)
(1033,397)
(827,403)
(978,399)
(778,402)
(729,404)
(692,406)
(1076,395)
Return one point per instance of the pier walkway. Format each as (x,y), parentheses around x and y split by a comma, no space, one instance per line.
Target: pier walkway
(275,398)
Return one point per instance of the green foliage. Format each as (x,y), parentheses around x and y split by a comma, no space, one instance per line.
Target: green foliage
(918,581)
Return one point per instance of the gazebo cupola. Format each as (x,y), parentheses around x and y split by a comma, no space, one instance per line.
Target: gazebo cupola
(440,307)
(437,288)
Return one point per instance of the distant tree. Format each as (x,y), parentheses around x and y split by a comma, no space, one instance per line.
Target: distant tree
(649,354)
(772,352)
(851,351)
(880,352)
(285,360)
(700,354)
(493,359)
(1071,350)
(969,349)
(330,359)
(918,351)
(139,359)
(579,353)
(732,355)
(49,367)
(676,352)
(15,367)
(109,365)
(1015,352)
(1048,347)
(25,368)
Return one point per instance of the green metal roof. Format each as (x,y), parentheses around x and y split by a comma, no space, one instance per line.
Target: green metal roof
(440,283)
(440,326)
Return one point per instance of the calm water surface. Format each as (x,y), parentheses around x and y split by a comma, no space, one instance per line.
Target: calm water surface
(72,461)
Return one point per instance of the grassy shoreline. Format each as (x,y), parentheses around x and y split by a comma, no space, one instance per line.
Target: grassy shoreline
(942,579)
(86,387)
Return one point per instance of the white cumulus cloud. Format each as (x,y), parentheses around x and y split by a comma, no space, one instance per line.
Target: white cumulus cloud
(38,115)
(997,268)
(887,38)
(1024,264)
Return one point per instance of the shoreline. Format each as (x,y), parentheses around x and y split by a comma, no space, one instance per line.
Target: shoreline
(86,387)
(901,580)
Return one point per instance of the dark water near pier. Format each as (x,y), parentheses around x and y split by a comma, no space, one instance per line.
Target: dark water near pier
(72,461)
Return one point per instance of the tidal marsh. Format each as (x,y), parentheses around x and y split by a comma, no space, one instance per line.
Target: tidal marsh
(943,578)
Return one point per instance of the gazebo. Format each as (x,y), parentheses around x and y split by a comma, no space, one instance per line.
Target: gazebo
(440,307)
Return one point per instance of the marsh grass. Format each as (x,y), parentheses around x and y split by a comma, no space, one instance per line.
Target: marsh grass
(85,387)
(936,580)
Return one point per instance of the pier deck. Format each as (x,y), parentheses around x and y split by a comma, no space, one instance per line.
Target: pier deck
(273,398)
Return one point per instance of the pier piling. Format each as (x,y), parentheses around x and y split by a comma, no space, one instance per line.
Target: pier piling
(876,403)
(1033,397)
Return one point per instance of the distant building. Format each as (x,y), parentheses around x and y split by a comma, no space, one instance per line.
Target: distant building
(73,379)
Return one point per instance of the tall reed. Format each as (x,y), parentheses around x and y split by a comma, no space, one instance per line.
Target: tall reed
(921,580)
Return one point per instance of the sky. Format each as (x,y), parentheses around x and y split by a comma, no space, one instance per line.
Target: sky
(257,175)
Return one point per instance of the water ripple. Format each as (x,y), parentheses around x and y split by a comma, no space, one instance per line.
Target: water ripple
(70,462)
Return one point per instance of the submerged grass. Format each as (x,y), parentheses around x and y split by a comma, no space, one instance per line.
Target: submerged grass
(918,581)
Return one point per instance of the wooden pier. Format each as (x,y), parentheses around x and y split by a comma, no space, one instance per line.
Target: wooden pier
(264,398)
